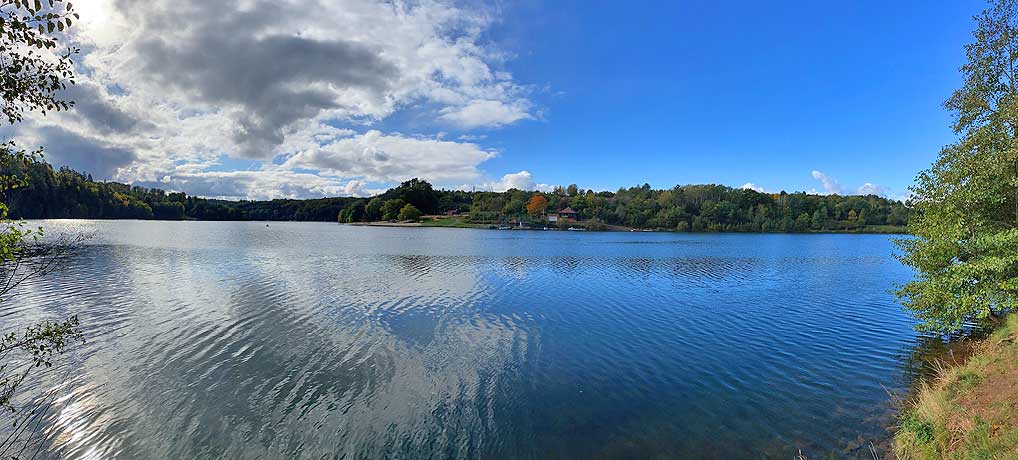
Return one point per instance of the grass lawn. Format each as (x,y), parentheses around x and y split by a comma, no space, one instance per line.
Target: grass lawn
(452,222)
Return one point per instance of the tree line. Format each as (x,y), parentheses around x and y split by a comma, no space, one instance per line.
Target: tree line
(66,193)
(699,208)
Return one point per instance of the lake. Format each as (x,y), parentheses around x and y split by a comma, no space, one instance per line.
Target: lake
(320,340)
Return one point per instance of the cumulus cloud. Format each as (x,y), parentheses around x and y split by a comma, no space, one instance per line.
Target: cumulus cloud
(485,113)
(257,184)
(171,84)
(872,189)
(392,158)
(754,187)
(831,185)
(522,180)
(295,78)
(360,188)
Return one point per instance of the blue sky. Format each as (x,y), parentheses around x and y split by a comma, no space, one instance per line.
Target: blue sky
(735,92)
(524,93)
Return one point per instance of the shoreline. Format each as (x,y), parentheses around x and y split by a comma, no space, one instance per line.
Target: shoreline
(969,409)
(880,230)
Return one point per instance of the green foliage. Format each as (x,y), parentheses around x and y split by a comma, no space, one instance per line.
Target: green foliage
(967,410)
(391,208)
(14,234)
(69,194)
(596,225)
(32,75)
(416,192)
(965,248)
(701,208)
(354,211)
(167,210)
(966,380)
(409,212)
(989,441)
(33,348)
(921,429)
(451,222)
(373,210)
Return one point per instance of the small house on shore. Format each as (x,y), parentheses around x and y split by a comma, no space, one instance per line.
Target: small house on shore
(566,214)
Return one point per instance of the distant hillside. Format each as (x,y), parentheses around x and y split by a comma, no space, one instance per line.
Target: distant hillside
(66,193)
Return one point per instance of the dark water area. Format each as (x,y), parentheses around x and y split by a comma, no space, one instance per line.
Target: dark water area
(316,340)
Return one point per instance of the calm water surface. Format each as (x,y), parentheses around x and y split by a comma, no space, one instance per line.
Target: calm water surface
(316,340)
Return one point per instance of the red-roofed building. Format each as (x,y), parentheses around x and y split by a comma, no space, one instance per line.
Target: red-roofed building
(566,214)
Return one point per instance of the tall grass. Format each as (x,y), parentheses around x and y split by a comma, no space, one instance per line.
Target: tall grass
(967,411)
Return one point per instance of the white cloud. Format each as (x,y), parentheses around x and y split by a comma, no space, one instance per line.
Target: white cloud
(886,192)
(485,113)
(258,184)
(831,185)
(171,84)
(522,180)
(872,189)
(754,187)
(393,158)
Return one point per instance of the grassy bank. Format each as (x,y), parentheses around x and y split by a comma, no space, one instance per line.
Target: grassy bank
(450,222)
(970,411)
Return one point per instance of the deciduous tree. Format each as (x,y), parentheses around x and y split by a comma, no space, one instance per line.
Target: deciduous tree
(32,73)
(537,205)
(965,249)
(391,208)
(409,212)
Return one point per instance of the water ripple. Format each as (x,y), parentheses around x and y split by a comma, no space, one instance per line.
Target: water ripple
(235,340)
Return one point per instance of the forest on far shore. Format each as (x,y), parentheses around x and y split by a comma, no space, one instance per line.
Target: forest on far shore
(66,193)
